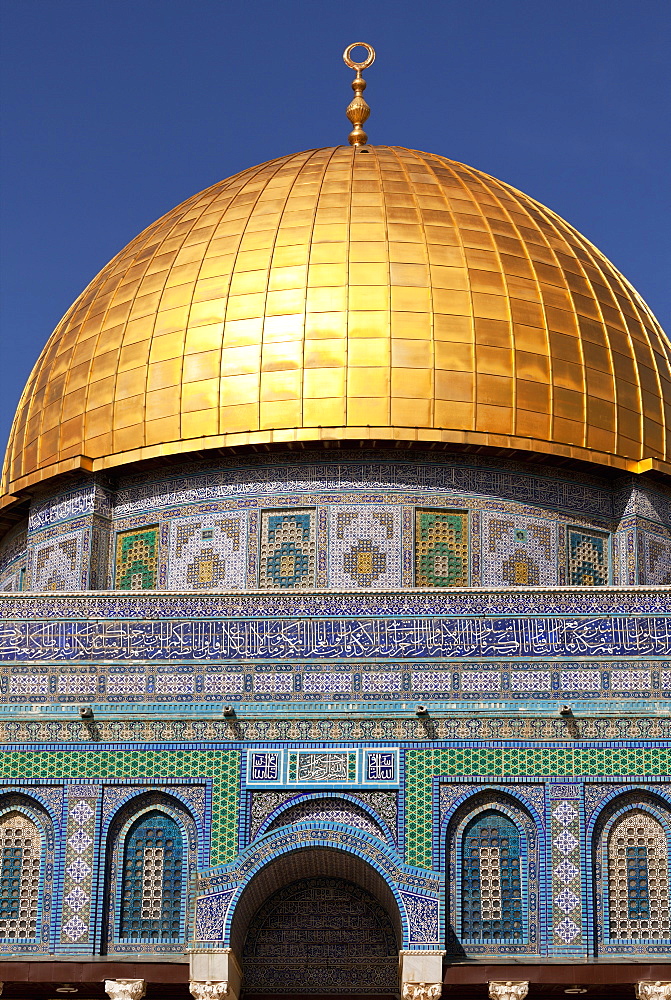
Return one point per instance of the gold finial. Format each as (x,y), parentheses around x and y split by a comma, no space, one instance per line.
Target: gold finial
(358,111)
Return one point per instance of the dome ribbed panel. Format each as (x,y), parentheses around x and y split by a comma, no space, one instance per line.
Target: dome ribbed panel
(335,294)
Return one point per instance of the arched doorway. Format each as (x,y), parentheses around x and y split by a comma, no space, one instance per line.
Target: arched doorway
(318,921)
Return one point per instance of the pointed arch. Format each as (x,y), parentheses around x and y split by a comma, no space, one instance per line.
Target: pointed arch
(152,852)
(318,916)
(632,865)
(493,877)
(333,807)
(26,875)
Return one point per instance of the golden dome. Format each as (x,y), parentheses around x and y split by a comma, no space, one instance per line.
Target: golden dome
(339,293)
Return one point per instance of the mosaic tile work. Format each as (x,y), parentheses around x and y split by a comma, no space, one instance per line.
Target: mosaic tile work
(492,856)
(208,552)
(85,499)
(223,765)
(329,810)
(161,683)
(27,850)
(287,549)
(566,866)
(381,804)
(441,548)
(656,557)
(588,559)
(20,856)
(365,546)
(132,639)
(491,892)
(79,865)
(137,560)
(321,934)
(283,475)
(518,552)
(56,564)
(503,491)
(422,764)
(152,888)
(638,879)
(13,560)
(146,911)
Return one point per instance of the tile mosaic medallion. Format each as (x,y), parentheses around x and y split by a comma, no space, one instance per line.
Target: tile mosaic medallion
(441,548)
(137,559)
(588,559)
(287,549)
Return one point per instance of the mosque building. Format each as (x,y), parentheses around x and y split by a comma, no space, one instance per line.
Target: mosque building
(335,616)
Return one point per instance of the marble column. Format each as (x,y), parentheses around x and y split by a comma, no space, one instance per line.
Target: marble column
(648,989)
(125,989)
(508,990)
(422,991)
(212,970)
(208,990)
(421,974)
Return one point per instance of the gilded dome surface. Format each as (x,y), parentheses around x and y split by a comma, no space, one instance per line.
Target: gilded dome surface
(339,293)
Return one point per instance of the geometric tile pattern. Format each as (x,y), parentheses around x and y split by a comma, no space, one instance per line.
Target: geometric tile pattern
(566,866)
(441,548)
(20,857)
(158,681)
(79,873)
(657,558)
(223,765)
(587,559)
(321,934)
(137,559)
(365,546)
(153,880)
(491,895)
(287,549)
(423,763)
(638,879)
(208,552)
(328,810)
(518,552)
(56,564)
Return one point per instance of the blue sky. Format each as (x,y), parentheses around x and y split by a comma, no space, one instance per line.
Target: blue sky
(114,111)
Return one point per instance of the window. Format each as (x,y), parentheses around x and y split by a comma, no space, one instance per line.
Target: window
(20,845)
(491,893)
(287,549)
(152,884)
(137,559)
(587,558)
(638,878)
(441,548)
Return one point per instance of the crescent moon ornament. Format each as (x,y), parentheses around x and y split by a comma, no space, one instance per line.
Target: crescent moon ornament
(358,111)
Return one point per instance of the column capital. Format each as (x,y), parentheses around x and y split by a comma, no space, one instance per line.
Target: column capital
(508,990)
(209,990)
(422,991)
(125,989)
(648,989)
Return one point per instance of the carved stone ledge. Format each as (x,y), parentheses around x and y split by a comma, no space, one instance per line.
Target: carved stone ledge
(508,990)
(649,990)
(422,991)
(209,990)
(125,989)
